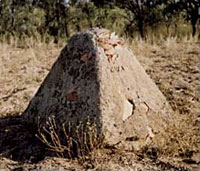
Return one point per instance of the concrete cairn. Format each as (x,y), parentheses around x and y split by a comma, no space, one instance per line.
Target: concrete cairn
(97,80)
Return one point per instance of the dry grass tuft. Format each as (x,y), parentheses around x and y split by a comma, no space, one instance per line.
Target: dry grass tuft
(70,144)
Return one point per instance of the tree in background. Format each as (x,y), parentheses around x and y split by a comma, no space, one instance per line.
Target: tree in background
(60,18)
(56,17)
(87,14)
(188,7)
(142,12)
(191,8)
(171,13)
(19,18)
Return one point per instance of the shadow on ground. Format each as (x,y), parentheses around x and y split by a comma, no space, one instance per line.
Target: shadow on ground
(18,141)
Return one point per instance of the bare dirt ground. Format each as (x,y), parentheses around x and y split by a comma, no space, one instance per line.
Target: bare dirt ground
(171,63)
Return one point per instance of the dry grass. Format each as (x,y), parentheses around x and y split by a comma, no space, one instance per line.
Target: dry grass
(171,62)
(66,144)
(180,138)
(22,71)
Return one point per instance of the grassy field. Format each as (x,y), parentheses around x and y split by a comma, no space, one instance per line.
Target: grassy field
(171,62)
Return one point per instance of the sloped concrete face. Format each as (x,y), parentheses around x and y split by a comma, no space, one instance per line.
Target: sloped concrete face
(97,78)
(69,94)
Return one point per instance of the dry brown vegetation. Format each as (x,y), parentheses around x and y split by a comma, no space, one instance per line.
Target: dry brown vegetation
(171,62)
(173,65)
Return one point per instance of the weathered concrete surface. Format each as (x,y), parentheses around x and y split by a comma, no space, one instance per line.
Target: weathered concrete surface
(97,77)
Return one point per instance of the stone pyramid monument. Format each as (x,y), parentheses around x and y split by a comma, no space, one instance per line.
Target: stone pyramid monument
(97,79)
